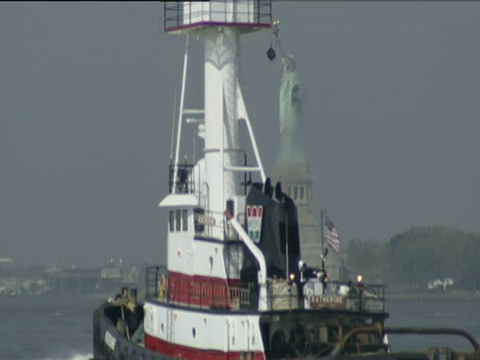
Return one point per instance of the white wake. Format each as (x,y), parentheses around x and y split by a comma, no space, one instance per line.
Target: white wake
(74,357)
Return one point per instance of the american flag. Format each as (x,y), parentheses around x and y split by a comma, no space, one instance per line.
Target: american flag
(330,234)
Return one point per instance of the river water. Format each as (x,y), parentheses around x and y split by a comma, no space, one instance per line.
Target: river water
(60,328)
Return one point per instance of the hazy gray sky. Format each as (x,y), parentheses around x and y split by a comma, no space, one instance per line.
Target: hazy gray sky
(391,120)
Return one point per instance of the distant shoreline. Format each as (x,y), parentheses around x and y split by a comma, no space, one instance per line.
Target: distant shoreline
(431,295)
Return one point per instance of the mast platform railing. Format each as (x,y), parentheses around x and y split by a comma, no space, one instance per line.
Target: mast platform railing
(183,183)
(253,13)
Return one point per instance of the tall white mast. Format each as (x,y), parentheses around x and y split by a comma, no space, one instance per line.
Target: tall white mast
(220,24)
(221,135)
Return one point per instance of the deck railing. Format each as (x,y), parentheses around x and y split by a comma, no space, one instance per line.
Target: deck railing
(356,297)
(156,282)
(160,287)
(239,298)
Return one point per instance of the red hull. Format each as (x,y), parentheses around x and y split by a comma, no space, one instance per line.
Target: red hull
(184,352)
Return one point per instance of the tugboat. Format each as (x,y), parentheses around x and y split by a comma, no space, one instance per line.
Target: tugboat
(234,286)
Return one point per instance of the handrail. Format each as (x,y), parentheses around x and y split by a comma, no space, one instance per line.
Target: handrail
(378,329)
(257,253)
(196,293)
(434,331)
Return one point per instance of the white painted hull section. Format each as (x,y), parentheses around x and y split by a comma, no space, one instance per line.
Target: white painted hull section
(196,257)
(201,330)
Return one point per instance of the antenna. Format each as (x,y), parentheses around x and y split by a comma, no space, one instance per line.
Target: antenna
(173,122)
(180,112)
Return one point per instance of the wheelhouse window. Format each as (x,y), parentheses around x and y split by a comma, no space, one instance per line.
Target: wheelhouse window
(185,220)
(171,220)
(178,219)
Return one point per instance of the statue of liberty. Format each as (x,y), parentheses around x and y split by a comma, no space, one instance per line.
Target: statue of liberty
(293,171)
(291,144)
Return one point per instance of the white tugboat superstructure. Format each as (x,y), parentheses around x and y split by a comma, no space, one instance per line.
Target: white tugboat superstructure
(207,311)
(200,239)
(234,286)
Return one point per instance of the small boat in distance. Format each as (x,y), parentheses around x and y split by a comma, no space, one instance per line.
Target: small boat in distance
(235,286)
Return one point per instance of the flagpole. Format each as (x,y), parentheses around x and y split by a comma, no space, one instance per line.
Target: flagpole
(322,214)
(286,246)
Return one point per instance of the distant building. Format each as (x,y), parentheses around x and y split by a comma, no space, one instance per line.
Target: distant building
(109,279)
(440,284)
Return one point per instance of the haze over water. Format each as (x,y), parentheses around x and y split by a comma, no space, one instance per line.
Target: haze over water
(60,328)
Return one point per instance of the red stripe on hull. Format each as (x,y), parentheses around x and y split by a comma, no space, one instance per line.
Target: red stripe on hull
(201,278)
(203,291)
(185,352)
